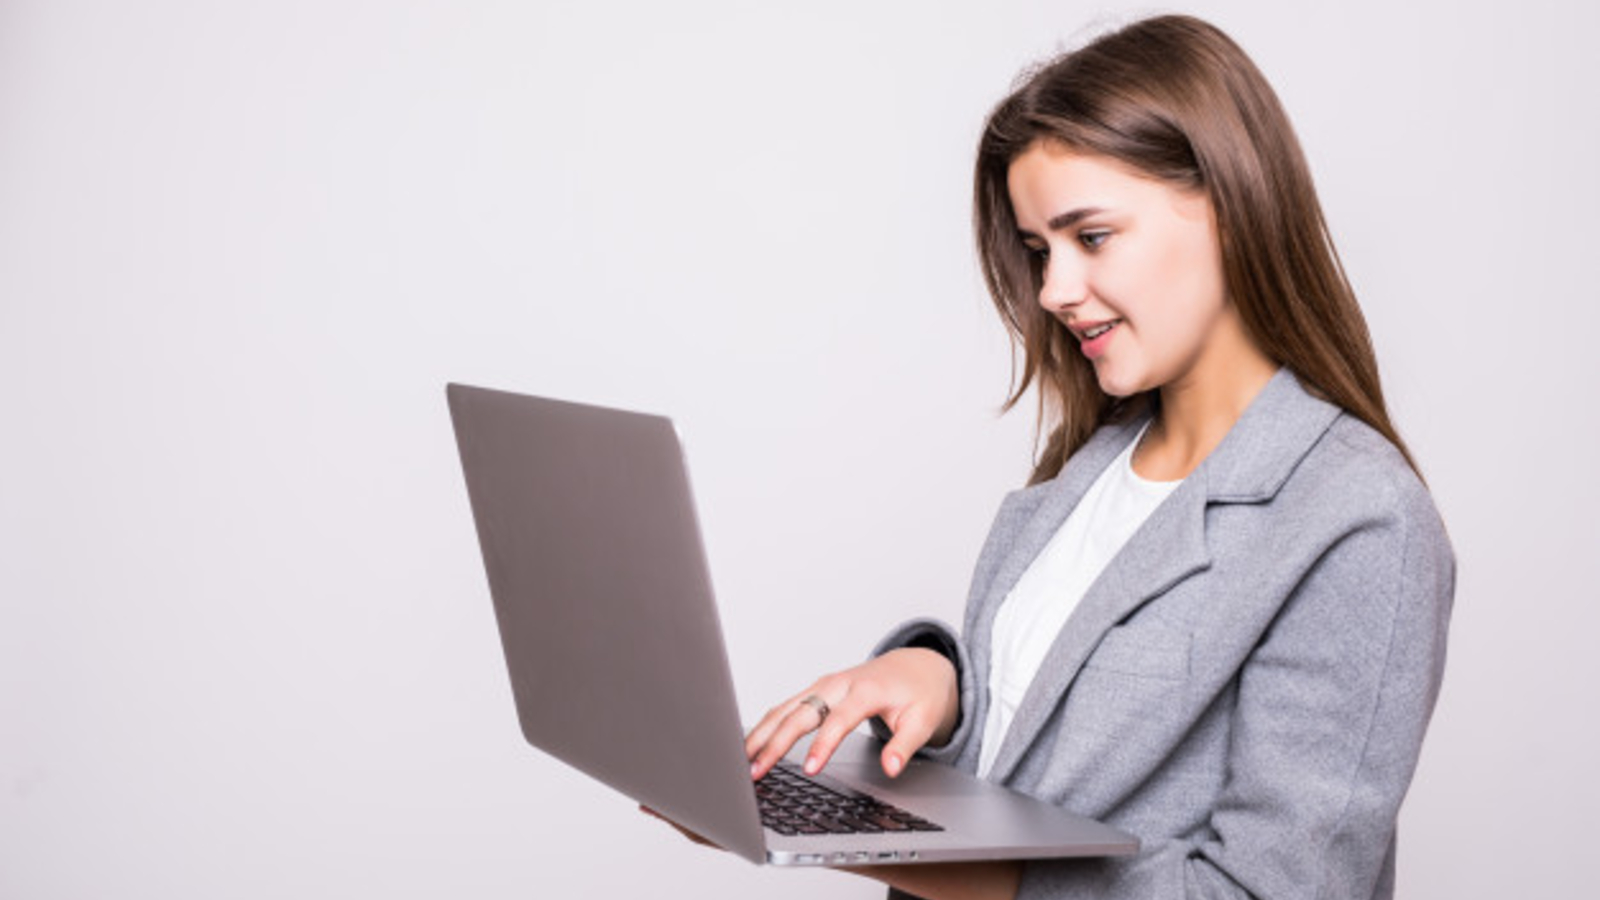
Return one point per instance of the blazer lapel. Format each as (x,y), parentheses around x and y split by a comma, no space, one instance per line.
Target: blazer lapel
(1275,432)
(1061,497)
(1170,546)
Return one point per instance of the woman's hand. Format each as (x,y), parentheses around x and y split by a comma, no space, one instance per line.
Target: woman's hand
(914,691)
(691,835)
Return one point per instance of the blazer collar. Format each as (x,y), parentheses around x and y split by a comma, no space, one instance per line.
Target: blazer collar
(1275,432)
(1263,448)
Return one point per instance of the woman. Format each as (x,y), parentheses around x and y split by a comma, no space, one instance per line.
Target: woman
(1216,618)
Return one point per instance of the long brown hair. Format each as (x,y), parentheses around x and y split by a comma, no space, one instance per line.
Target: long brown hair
(1177,100)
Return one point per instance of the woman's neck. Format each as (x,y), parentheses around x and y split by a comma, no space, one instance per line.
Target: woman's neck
(1198,409)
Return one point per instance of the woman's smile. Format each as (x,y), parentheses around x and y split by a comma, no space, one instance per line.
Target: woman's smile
(1093,337)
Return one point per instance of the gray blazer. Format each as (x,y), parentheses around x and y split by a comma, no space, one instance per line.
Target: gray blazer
(1246,685)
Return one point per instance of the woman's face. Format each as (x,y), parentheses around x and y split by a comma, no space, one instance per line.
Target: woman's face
(1130,265)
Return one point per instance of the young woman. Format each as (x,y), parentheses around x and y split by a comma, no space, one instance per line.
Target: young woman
(1216,618)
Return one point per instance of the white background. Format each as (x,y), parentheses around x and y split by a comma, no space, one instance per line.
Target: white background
(246,647)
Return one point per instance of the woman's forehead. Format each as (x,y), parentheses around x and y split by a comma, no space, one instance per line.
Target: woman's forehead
(1050,179)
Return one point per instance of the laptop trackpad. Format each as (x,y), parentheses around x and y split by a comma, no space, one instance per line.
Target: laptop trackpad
(857,763)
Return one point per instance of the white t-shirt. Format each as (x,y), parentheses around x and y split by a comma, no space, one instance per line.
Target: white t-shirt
(1033,613)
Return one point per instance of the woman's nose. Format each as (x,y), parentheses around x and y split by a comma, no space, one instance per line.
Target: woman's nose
(1064,285)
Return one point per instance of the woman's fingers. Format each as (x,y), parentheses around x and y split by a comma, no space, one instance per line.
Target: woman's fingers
(914,690)
(779,731)
(681,830)
(912,728)
(761,735)
(853,709)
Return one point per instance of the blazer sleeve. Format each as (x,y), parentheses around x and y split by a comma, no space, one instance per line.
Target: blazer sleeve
(1332,705)
(1013,514)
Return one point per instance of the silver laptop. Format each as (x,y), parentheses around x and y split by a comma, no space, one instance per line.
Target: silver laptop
(615,651)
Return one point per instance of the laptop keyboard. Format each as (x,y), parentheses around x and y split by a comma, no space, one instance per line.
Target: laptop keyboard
(792,803)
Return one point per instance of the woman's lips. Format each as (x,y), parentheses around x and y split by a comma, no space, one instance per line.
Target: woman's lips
(1103,332)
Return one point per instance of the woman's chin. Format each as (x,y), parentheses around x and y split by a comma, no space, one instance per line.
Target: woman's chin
(1117,384)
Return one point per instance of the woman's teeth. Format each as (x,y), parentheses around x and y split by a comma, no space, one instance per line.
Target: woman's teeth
(1098,330)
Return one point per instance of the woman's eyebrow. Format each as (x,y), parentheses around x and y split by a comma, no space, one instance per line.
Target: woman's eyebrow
(1065,220)
(1072,217)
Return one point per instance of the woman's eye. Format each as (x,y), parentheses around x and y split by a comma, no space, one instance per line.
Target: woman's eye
(1093,239)
(1039,253)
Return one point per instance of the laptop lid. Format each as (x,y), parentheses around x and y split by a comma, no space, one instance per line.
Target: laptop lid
(604,603)
(615,650)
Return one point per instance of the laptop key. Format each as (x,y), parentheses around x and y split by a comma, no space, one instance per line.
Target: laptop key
(790,800)
(887,823)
